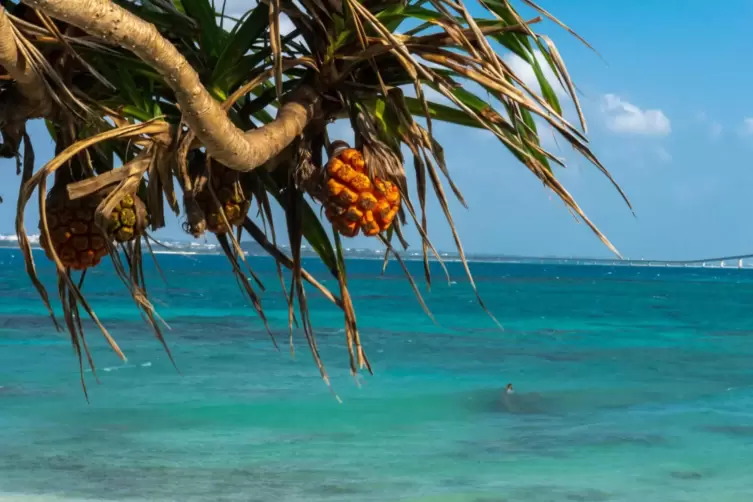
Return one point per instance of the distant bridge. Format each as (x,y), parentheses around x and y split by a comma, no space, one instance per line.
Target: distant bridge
(737,261)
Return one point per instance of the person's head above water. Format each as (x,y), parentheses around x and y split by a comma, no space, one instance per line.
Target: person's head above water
(508,389)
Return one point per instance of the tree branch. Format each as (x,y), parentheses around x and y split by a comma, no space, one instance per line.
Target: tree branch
(30,85)
(239,150)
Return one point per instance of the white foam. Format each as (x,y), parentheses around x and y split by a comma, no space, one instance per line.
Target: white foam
(34,239)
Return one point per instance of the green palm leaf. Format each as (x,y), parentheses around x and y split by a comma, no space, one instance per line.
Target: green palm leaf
(194,98)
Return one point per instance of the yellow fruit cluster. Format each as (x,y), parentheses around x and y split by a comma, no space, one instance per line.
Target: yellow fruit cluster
(128,219)
(354,201)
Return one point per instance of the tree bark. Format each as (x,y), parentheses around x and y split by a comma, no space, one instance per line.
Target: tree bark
(31,88)
(239,150)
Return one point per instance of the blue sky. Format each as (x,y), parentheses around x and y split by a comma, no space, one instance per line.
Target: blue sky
(669,114)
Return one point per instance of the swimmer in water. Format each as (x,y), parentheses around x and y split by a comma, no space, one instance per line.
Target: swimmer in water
(508,389)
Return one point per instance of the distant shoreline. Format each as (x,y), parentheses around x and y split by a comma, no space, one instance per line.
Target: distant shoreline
(192,248)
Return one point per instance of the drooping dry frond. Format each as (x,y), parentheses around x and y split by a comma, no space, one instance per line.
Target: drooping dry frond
(237,117)
(28,77)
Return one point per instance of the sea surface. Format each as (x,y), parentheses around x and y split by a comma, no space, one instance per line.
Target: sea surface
(631,384)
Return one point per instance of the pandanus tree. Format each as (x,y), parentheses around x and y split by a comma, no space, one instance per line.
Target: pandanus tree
(151,101)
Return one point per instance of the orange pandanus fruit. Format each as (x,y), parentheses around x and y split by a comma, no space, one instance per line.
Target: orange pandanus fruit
(128,219)
(75,238)
(354,201)
(233,198)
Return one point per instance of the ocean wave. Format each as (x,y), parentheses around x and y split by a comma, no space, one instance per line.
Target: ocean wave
(164,246)
(33,239)
(108,369)
(251,248)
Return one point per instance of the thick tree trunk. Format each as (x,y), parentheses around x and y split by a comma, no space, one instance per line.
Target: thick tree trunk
(239,150)
(32,99)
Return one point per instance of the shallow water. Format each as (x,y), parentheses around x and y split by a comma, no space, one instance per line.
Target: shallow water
(630,384)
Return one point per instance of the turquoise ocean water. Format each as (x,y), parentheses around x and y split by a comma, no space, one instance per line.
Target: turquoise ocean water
(631,384)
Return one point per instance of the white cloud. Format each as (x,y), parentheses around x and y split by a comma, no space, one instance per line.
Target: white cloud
(664,155)
(525,72)
(714,128)
(747,127)
(625,117)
